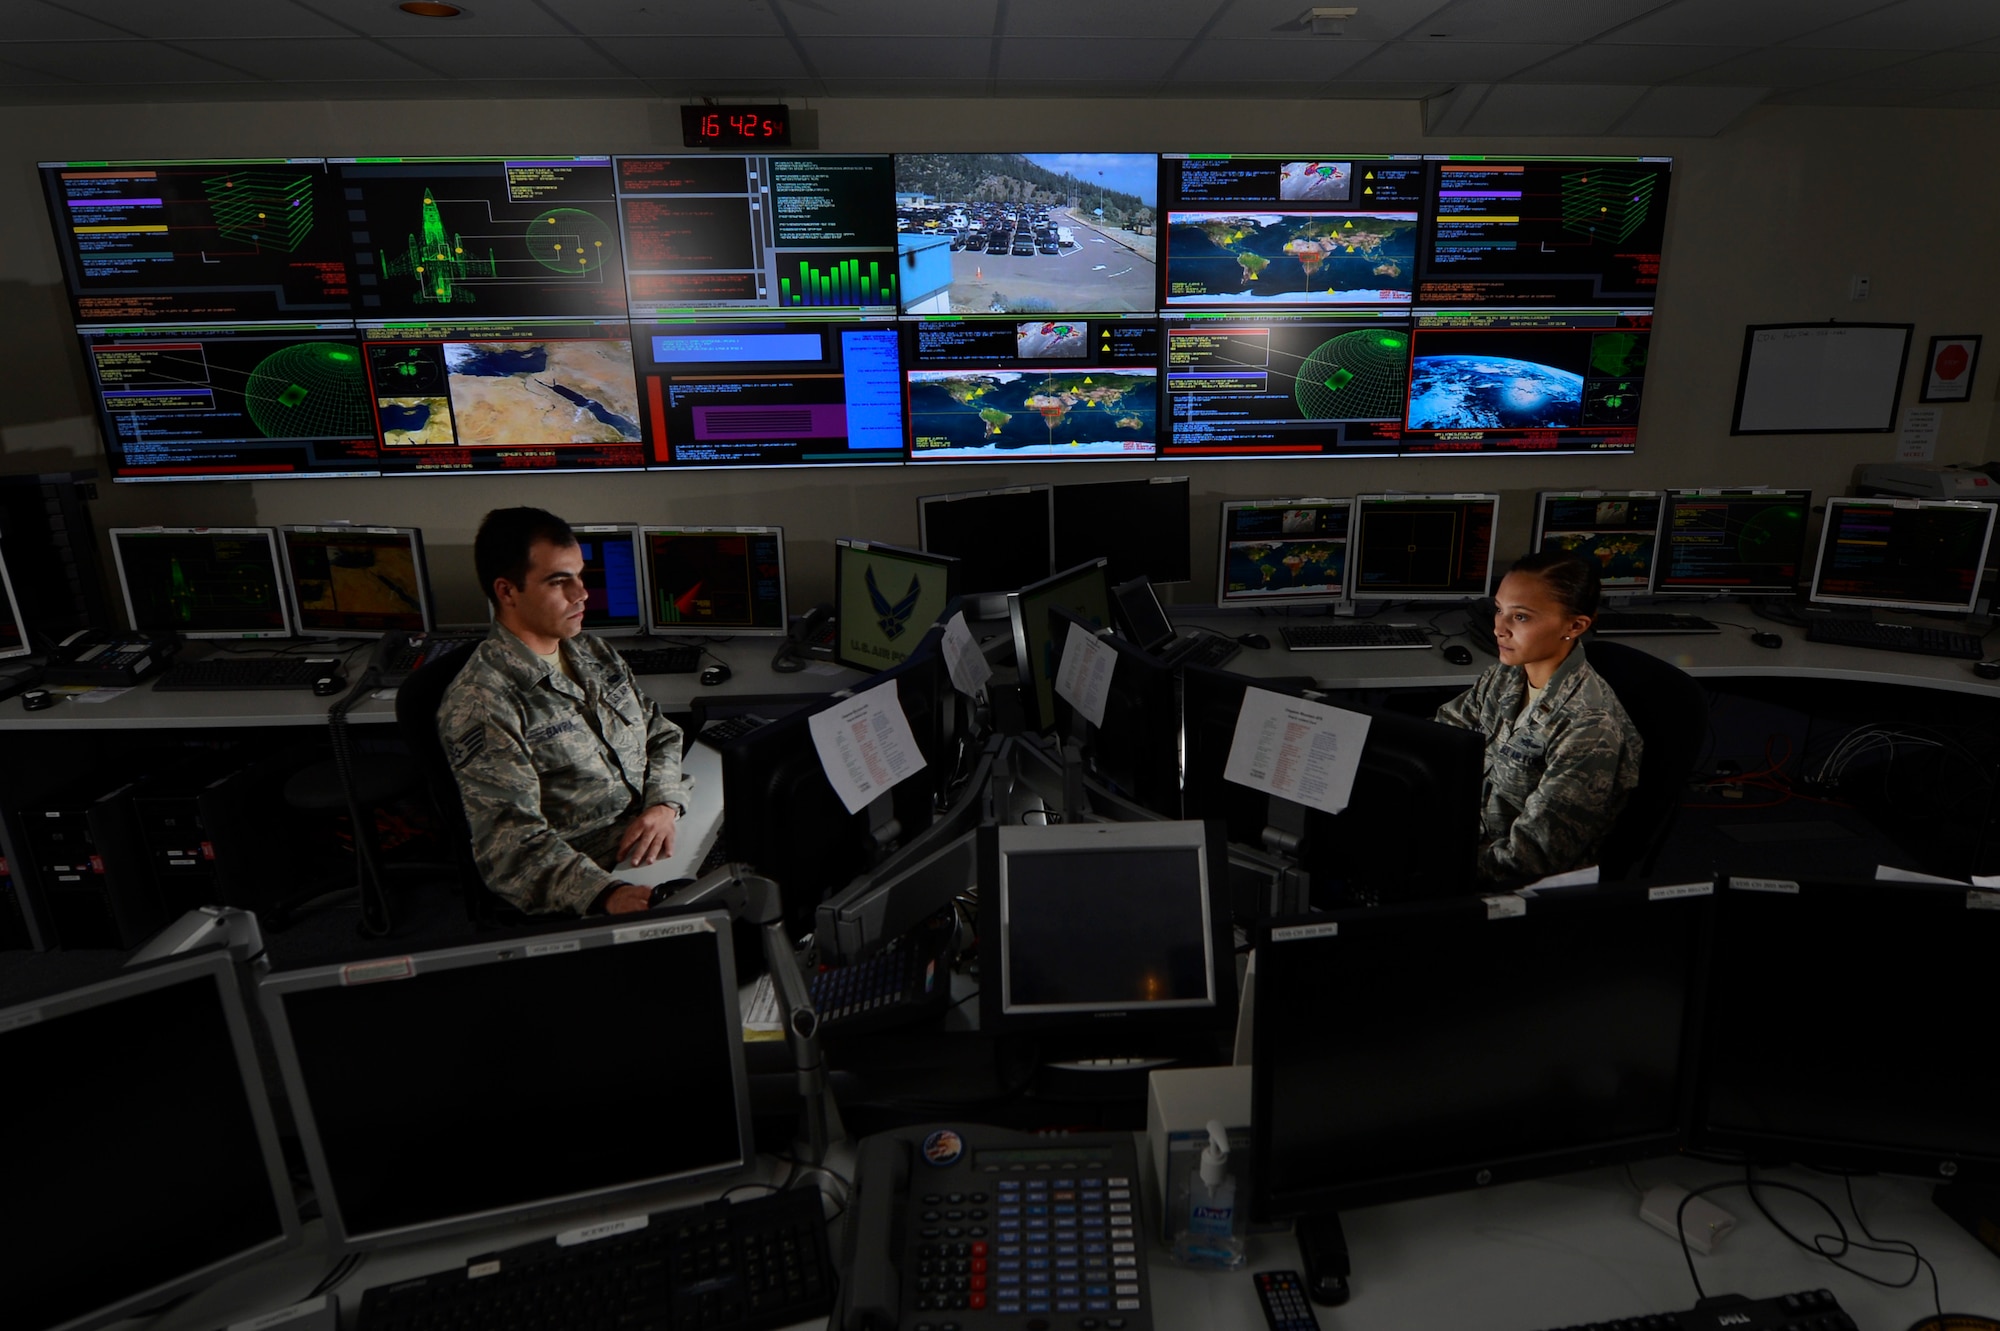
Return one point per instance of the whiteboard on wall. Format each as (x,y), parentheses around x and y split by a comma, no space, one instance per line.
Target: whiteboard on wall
(1821,378)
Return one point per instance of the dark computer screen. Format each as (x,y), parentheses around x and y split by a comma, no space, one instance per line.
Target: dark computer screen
(1134,747)
(115,1082)
(1470,1050)
(1031,233)
(13,630)
(1002,539)
(885,599)
(1619,529)
(349,581)
(1140,526)
(1733,541)
(661,1043)
(1422,547)
(1526,382)
(1283,551)
(1894,1080)
(1140,616)
(611,574)
(780,232)
(1902,553)
(1085,590)
(1262,385)
(201,582)
(715,579)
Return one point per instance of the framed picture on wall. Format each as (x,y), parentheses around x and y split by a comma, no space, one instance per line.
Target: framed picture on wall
(1948,369)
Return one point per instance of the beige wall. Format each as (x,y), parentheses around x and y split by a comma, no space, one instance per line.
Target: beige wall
(1769,221)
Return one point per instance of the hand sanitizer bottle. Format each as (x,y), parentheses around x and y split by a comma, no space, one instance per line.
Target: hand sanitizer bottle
(1209,1235)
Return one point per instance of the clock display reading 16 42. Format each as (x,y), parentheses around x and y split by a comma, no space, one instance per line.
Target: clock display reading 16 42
(736,126)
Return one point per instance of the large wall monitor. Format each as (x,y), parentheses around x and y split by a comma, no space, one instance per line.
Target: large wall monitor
(1620,529)
(1903,554)
(357,582)
(1286,385)
(1722,542)
(201,582)
(1283,552)
(1489,381)
(715,580)
(1423,547)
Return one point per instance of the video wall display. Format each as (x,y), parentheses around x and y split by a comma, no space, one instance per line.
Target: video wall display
(369,316)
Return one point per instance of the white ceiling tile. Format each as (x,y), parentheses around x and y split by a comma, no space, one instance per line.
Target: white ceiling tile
(1794,66)
(1089,60)
(1551,108)
(1372,91)
(702,58)
(307,59)
(118,62)
(1854,92)
(1377,20)
(916,18)
(1982,99)
(151,18)
(670,18)
(482,18)
(1692,112)
(1056,19)
(1273,59)
(891,87)
(1945,71)
(1913,25)
(1740,22)
(29,21)
(1269,89)
(875,57)
(1531,20)
(507,57)
(19,75)
(1606,62)
(558,137)
(1455,62)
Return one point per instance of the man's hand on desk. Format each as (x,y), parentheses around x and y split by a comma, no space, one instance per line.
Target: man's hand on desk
(628,899)
(648,837)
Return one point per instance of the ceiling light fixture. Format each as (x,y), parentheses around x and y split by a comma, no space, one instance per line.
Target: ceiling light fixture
(1330,20)
(430,9)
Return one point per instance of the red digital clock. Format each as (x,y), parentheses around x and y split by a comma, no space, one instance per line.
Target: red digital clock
(736,126)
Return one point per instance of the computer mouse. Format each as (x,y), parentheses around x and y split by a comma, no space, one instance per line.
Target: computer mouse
(1458,654)
(716,674)
(1257,640)
(328,685)
(1987,669)
(38,700)
(1764,638)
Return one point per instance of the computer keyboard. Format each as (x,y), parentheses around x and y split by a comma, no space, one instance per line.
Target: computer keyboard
(680,658)
(1354,637)
(1202,649)
(903,983)
(226,674)
(1917,638)
(726,731)
(1615,623)
(735,1266)
(400,655)
(1813,1310)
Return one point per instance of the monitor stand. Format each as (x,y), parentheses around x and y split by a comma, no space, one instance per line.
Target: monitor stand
(1323,1257)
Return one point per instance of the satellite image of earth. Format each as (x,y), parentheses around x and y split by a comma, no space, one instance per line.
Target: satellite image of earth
(1051,339)
(986,413)
(1624,559)
(1492,393)
(1342,258)
(1284,568)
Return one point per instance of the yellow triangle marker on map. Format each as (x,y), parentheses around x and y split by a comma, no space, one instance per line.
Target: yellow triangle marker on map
(1369,176)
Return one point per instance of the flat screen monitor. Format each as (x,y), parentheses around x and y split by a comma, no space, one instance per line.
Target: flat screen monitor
(1526,382)
(1002,539)
(1257,384)
(1283,552)
(1104,923)
(756,394)
(1849,1092)
(116,1082)
(1903,554)
(1027,233)
(1085,590)
(1141,526)
(715,580)
(50,542)
(1253,232)
(14,639)
(885,599)
(1620,529)
(201,582)
(1423,547)
(1742,542)
(1555,1039)
(460,1030)
(1134,747)
(780,231)
(357,582)
(614,574)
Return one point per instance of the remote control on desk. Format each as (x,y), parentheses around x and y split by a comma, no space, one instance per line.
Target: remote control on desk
(1283,1297)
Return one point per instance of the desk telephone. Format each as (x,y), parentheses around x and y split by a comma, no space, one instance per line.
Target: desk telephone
(811,639)
(987,1228)
(101,656)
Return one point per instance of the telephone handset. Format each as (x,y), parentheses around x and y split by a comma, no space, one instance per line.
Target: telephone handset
(811,639)
(982,1226)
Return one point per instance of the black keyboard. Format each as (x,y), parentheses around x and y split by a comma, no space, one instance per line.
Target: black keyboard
(1354,637)
(1814,1310)
(1613,623)
(721,734)
(742,1266)
(1202,649)
(398,656)
(903,983)
(224,674)
(1920,639)
(681,658)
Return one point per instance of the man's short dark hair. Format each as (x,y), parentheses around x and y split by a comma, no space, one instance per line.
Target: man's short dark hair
(501,548)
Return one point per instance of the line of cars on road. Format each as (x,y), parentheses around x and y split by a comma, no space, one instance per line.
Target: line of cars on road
(993,228)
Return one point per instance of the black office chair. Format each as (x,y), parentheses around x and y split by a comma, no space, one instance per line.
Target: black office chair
(417,704)
(1670,712)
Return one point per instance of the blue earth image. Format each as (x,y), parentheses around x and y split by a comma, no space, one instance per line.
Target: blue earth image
(1492,393)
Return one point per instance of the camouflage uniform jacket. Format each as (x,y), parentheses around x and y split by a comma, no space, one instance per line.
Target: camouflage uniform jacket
(551,769)
(1556,777)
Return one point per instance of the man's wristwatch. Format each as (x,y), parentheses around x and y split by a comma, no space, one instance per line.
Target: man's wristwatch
(680,809)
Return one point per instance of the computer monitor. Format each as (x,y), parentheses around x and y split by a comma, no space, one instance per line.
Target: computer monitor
(1141,526)
(1892,1081)
(1423,547)
(1135,748)
(1742,542)
(715,580)
(1003,539)
(885,599)
(1620,529)
(1085,589)
(394,1068)
(201,582)
(614,574)
(1114,926)
(140,1127)
(1410,830)
(1402,1053)
(1283,552)
(13,629)
(1903,554)
(1253,384)
(357,582)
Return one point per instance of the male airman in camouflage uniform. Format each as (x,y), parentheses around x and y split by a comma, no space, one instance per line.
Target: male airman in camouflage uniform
(565,767)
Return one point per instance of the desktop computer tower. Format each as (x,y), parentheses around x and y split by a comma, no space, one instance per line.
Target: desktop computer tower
(93,900)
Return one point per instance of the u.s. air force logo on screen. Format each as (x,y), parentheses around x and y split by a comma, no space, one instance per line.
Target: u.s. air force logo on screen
(893,618)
